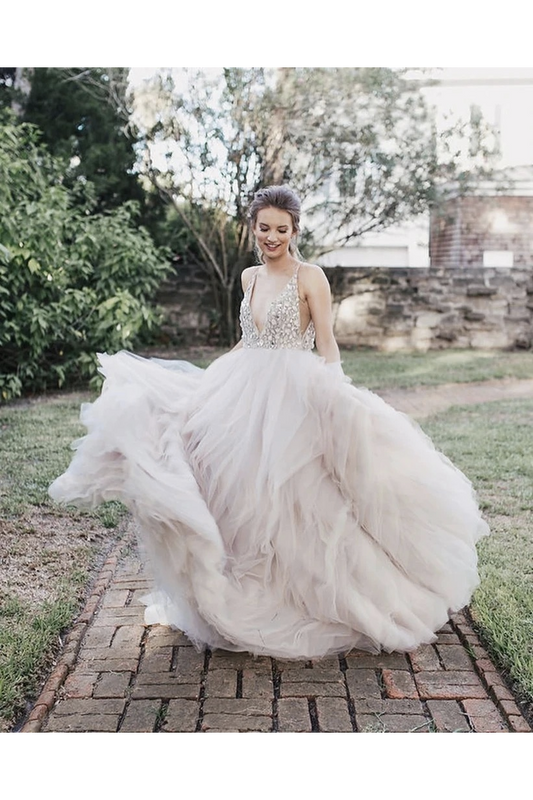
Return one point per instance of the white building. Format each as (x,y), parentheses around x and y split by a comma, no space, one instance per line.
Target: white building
(504,97)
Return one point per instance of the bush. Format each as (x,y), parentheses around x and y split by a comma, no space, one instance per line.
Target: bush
(72,282)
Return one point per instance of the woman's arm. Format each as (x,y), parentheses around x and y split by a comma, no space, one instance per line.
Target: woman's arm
(317,294)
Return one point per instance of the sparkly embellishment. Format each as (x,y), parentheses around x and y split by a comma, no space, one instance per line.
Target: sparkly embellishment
(282,328)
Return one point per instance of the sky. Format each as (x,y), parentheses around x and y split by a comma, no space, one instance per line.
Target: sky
(140,74)
(509,106)
(449,74)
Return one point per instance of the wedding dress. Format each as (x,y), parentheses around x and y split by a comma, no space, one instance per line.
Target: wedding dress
(283,510)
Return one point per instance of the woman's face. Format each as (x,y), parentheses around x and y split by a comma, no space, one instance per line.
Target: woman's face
(273,230)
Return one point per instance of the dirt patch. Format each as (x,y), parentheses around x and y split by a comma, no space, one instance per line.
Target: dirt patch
(42,549)
(427,400)
(46,557)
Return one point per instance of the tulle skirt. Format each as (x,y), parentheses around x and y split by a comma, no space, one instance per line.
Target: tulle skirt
(283,511)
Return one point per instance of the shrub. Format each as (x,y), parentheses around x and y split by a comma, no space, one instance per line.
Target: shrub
(71,282)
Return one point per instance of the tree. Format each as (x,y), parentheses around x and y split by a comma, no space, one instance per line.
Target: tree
(83,115)
(7,83)
(72,283)
(14,87)
(358,145)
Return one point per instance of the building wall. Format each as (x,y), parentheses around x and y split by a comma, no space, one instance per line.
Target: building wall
(471,231)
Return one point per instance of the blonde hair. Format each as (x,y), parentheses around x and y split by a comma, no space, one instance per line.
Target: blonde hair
(284,199)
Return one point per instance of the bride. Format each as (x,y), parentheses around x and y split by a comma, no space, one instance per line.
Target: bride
(283,511)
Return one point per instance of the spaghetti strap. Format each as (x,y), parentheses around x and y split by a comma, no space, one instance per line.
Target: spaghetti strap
(251,282)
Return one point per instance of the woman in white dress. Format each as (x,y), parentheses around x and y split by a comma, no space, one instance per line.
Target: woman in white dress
(283,511)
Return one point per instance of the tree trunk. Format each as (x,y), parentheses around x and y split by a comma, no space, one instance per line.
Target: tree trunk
(274,167)
(22,87)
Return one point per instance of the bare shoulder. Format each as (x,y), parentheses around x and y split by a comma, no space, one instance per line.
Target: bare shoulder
(312,272)
(246,276)
(313,277)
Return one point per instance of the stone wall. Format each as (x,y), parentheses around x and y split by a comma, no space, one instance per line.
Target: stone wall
(188,304)
(434,308)
(388,308)
(456,302)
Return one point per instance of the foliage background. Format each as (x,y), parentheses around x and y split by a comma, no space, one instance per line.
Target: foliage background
(104,192)
(73,281)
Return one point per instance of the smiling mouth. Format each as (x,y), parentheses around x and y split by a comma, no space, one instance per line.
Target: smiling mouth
(272,246)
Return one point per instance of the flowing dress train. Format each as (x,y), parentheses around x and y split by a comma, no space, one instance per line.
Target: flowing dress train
(283,510)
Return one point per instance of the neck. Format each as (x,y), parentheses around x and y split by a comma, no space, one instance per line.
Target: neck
(286,264)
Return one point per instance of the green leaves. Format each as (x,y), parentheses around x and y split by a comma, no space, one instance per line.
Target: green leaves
(71,283)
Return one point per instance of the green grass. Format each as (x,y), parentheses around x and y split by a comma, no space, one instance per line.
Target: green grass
(404,370)
(35,439)
(27,643)
(49,553)
(491,443)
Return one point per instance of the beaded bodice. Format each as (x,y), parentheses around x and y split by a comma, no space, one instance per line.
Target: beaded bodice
(282,326)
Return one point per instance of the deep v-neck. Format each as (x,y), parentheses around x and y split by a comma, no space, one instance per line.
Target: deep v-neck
(260,331)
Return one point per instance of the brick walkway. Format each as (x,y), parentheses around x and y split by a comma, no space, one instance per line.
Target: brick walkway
(115,674)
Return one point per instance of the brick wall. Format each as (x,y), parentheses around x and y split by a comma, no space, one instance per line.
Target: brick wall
(464,228)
